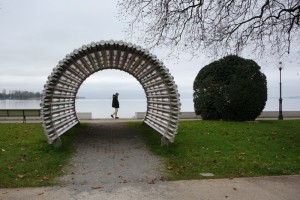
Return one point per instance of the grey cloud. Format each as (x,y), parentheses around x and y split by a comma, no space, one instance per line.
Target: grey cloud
(36,35)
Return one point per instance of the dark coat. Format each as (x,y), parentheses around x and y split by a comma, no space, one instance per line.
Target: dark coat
(115,101)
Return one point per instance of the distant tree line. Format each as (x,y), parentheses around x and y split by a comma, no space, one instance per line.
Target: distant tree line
(20,95)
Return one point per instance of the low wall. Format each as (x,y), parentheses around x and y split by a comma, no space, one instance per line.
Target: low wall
(81,116)
(264,114)
(183,115)
(29,118)
(274,114)
(84,115)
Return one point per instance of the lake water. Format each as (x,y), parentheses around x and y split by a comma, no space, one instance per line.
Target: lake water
(101,108)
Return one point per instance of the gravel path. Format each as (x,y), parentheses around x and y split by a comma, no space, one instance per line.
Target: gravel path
(110,155)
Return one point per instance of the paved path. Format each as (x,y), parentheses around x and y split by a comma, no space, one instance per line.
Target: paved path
(112,163)
(263,188)
(110,155)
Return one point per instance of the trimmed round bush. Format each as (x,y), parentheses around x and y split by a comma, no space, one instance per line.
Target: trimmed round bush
(232,88)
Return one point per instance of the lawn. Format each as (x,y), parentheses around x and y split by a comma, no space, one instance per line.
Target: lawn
(229,149)
(225,149)
(26,159)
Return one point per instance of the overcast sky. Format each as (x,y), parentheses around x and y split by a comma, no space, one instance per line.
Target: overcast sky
(36,34)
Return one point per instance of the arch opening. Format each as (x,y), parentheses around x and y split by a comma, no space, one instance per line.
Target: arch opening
(95,95)
(58,102)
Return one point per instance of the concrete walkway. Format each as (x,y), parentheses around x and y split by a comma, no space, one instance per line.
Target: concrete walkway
(263,188)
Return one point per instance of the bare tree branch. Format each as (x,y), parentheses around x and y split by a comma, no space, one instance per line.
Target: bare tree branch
(218,27)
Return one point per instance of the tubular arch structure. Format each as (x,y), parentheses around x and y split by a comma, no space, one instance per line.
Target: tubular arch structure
(58,102)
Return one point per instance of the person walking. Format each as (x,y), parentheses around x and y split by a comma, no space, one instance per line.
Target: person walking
(115,104)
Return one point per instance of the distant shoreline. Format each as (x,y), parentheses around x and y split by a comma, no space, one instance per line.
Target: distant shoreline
(22,99)
(291,97)
(85,98)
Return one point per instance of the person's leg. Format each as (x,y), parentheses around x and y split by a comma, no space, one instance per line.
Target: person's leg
(116,112)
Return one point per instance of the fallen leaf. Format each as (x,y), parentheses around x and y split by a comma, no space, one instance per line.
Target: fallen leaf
(274,133)
(242,154)
(96,187)
(151,181)
(239,157)
(217,151)
(254,162)
(45,178)
(170,167)
(10,168)
(21,176)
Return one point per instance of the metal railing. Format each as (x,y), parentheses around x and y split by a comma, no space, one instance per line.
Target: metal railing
(23,113)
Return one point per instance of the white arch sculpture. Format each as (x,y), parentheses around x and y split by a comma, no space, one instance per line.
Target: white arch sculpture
(59,95)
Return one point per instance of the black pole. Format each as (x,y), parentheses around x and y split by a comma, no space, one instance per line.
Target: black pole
(280,116)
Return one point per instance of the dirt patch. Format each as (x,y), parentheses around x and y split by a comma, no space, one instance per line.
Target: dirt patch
(110,155)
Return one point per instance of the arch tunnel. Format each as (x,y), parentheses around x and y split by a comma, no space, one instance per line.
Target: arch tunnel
(58,111)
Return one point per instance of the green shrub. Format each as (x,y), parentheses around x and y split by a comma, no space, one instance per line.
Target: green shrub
(231,88)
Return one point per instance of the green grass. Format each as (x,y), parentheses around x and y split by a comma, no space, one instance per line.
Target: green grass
(26,159)
(229,149)
(226,149)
